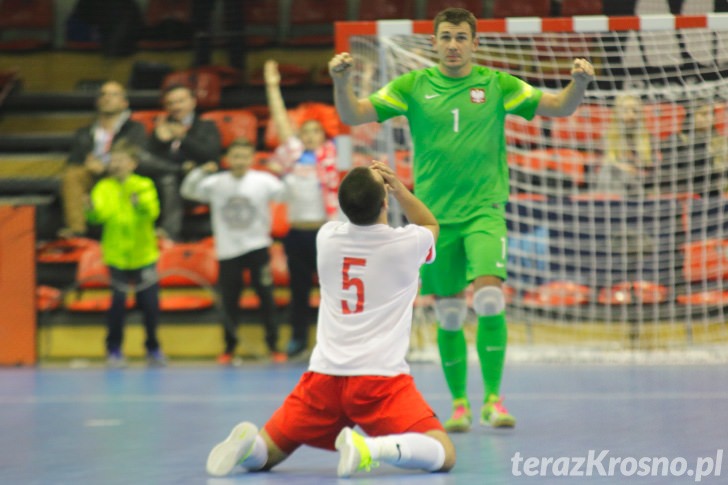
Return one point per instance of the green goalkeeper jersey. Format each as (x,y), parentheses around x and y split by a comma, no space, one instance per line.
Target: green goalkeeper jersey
(458,134)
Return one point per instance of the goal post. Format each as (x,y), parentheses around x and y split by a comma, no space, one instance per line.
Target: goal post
(636,266)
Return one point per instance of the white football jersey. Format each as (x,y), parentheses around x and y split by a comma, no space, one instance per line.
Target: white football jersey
(369,278)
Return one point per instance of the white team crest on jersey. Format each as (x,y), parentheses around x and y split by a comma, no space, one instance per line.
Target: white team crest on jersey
(477,95)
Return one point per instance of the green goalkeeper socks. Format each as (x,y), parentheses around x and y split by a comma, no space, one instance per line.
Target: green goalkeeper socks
(454,360)
(491,344)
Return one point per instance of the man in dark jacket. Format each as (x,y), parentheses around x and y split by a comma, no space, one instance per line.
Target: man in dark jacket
(182,139)
(89,155)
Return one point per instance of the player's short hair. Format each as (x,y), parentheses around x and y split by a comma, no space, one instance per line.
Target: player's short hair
(456,16)
(361,196)
(123,145)
(241,143)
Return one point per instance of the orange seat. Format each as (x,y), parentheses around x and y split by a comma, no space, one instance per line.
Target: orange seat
(233,124)
(64,250)
(720,119)
(557,294)
(628,292)
(385,9)
(30,23)
(704,298)
(205,84)
(705,260)
(664,119)
(521,132)
(564,160)
(521,8)
(187,264)
(279,220)
(91,272)
(47,298)
(585,127)
(250,301)
(148,118)
(528,197)
(261,112)
(96,304)
(185,303)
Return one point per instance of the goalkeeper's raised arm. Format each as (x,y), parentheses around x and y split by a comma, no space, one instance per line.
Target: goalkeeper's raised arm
(565,102)
(352,111)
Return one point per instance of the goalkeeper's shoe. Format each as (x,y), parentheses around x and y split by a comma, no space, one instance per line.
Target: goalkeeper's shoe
(229,453)
(354,453)
(495,414)
(461,418)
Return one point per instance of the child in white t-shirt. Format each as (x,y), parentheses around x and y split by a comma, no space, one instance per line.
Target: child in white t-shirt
(241,225)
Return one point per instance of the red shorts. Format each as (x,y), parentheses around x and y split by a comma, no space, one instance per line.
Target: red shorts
(321,405)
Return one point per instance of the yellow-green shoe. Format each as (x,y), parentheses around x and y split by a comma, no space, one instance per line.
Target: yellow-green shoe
(495,414)
(226,455)
(461,418)
(354,453)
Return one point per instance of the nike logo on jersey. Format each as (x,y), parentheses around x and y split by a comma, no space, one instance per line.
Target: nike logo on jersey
(500,265)
(430,96)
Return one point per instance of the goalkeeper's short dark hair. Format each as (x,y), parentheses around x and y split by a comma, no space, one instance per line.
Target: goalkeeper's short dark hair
(361,196)
(456,16)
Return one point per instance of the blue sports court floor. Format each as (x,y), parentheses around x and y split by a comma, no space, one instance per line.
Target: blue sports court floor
(156,426)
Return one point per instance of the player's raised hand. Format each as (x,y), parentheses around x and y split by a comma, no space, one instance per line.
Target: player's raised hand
(340,66)
(582,70)
(271,74)
(391,181)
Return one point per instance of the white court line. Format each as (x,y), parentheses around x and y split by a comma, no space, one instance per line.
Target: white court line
(266,398)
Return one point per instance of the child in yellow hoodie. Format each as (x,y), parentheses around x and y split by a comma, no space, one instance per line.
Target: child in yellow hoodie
(126,205)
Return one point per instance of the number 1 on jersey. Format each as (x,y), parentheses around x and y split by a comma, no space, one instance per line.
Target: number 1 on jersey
(347,282)
(456,120)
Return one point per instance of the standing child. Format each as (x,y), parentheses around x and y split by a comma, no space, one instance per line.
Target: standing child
(241,223)
(358,375)
(126,205)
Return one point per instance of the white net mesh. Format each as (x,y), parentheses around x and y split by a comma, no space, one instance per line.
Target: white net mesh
(617,228)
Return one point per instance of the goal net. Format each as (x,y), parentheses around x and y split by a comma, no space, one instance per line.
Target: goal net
(617,217)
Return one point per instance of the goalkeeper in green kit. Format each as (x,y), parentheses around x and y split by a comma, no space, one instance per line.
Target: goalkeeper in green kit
(456,111)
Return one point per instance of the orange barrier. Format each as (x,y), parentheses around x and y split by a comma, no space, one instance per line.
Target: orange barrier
(17,285)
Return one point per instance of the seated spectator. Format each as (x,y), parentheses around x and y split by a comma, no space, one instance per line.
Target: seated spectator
(694,160)
(307,161)
(241,224)
(629,161)
(185,141)
(126,205)
(89,157)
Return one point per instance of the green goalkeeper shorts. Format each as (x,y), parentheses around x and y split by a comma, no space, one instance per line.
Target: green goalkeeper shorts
(466,250)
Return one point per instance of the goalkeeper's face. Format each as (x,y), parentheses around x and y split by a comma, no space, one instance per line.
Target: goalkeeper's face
(455,46)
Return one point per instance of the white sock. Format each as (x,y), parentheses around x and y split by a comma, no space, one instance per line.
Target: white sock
(415,451)
(258,457)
